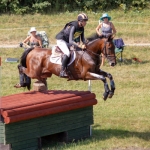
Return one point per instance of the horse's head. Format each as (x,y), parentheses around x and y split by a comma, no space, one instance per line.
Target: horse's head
(103,45)
(109,50)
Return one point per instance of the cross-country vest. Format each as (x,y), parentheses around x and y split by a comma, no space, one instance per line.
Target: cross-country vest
(64,33)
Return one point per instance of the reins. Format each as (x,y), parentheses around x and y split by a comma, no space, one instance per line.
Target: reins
(93,52)
(105,53)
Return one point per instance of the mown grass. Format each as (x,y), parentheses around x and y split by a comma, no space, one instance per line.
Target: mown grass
(120,122)
(132,26)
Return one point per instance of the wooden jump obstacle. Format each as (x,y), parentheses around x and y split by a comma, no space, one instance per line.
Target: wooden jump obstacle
(26,118)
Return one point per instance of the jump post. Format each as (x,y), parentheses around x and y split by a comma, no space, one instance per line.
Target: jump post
(28,118)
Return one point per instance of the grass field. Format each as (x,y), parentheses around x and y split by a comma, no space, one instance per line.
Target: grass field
(122,122)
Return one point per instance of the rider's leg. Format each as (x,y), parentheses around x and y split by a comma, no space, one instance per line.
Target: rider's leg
(63,46)
(22,78)
(27,81)
(64,66)
(21,83)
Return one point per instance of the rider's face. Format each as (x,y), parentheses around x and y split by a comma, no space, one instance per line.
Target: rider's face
(82,23)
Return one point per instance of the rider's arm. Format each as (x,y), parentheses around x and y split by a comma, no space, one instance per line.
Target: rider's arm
(82,37)
(71,40)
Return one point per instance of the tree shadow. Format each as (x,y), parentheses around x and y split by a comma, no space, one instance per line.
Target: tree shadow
(104,134)
(131,61)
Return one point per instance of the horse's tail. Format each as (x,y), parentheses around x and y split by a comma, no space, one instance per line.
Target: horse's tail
(24,56)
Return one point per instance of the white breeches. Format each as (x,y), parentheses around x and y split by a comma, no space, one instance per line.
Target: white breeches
(63,46)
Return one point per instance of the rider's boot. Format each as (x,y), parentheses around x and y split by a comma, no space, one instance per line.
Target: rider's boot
(22,83)
(27,82)
(64,66)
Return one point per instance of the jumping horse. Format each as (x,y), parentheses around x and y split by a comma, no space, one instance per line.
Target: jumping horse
(35,63)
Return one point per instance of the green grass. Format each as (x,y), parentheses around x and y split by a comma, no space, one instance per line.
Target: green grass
(132,26)
(120,122)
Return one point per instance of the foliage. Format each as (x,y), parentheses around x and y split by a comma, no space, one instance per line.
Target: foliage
(49,6)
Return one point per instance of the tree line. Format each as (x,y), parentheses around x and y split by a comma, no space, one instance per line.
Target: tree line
(53,6)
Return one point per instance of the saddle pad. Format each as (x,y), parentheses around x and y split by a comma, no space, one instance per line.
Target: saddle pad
(56,57)
(11,59)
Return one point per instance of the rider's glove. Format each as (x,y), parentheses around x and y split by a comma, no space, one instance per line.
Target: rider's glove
(82,46)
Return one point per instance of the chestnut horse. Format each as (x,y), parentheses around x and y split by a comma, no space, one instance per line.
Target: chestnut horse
(35,63)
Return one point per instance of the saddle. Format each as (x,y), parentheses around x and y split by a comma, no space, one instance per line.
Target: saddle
(57,55)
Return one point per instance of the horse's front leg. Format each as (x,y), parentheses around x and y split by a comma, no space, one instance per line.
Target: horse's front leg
(112,83)
(94,76)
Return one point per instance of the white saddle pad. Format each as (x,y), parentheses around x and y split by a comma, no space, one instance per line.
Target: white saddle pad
(56,57)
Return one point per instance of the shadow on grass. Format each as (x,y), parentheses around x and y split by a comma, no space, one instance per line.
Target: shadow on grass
(131,61)
(103,134)
(98,135)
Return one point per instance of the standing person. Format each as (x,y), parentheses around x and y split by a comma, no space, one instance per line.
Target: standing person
(68,36)
(31,41)
(105,28)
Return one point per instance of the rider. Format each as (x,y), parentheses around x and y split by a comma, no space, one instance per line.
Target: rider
(70,35)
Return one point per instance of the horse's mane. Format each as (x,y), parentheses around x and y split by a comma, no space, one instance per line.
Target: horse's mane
(92,37)
(24,55)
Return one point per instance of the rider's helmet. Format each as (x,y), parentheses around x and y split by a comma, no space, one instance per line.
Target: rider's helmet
(82,17)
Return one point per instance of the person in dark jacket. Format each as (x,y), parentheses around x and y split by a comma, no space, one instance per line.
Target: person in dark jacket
(70,35)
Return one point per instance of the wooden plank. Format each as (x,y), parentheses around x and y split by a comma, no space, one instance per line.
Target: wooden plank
(49,111)
(50,123)
(51,104)
(79,133)
(47,131)
(25,144)
(33,98)
(50,119)
(1,140)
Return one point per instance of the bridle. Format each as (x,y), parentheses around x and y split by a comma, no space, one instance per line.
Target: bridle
(105,52)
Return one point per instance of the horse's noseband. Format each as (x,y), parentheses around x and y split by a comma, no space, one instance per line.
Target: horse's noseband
(105,52)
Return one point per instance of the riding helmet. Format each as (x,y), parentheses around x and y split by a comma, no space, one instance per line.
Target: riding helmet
(82,17)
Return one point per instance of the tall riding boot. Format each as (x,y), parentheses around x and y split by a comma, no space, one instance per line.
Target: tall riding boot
(64,66)
(22,78)
(28,82)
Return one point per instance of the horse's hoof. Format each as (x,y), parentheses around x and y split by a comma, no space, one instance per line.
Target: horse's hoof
(110,94)
(105,95)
